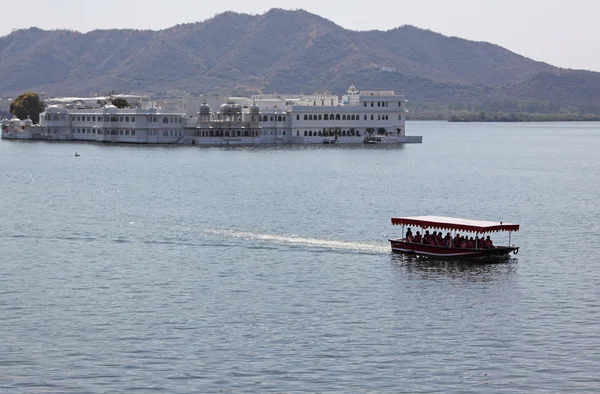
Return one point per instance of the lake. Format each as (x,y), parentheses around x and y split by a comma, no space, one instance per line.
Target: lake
(181,269)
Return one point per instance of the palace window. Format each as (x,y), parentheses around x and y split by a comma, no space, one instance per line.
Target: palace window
(320,117)
(165,120)
(337,117)
(371,117)
(365,103)
(297,117)
(325,117)
(372,103)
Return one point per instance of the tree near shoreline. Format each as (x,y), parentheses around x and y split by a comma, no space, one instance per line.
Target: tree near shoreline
(120,102)
(27,105)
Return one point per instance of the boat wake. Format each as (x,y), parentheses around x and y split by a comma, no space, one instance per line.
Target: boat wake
(298,241)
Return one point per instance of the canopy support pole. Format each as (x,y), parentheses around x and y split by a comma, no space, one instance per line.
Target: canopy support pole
(509,233)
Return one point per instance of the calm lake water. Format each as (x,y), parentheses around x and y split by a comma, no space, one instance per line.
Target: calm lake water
(189,269)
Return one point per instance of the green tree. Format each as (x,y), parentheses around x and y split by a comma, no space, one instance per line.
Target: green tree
(120,102)
(27,105)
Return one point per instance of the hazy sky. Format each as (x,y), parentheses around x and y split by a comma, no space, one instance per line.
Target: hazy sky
(564,33)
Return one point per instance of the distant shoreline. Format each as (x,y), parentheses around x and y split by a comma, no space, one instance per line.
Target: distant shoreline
(464,117)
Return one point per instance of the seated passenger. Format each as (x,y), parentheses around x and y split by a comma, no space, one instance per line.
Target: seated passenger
(488,243)
(418,238)
(408,234)
(471,243)
(456,240)
(426,237)
(448,240)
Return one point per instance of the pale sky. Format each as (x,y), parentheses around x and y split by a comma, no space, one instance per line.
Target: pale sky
(564,33)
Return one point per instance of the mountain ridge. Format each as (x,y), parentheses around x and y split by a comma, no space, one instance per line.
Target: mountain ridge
(283,50)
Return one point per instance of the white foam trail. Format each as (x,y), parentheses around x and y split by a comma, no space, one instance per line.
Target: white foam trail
(303,241)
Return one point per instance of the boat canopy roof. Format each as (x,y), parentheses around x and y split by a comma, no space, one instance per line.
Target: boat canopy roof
(447,223)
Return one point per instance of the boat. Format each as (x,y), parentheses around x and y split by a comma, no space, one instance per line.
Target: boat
(319,118)
(482,248)
(77,154)
(376,139)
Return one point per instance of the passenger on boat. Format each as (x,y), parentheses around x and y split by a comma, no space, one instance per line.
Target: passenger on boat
(488,243)
(448,240)
(471,243)
(426,237)
(409,236)
(456,240)
(418,238)
(433,240)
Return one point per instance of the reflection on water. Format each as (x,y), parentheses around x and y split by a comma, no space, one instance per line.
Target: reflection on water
(464,270)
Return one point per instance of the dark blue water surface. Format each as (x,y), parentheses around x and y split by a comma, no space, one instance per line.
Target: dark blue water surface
(188,269)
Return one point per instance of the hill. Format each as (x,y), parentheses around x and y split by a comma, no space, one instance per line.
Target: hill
(289,51)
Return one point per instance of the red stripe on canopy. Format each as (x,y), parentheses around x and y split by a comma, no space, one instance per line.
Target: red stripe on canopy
(448,223)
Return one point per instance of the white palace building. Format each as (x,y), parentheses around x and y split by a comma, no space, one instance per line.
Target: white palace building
(356,118)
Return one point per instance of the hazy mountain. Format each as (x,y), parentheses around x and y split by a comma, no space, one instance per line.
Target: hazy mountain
(284,51)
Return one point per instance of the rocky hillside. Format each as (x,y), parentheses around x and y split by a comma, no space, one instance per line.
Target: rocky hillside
(284,51)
